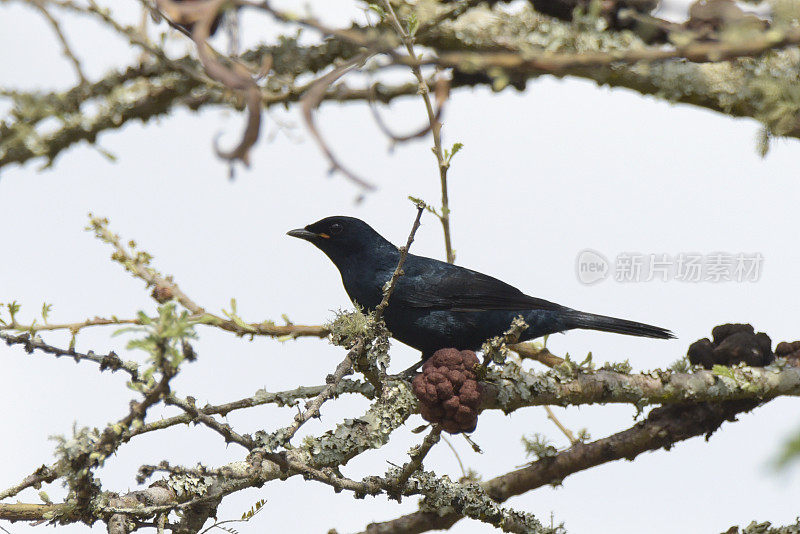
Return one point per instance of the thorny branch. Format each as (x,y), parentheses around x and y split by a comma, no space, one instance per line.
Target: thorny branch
(107,361)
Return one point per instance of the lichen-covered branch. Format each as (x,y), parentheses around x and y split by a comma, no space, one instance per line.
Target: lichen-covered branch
(736,70)
(663,427)
(511,387)
(495,47)
(471,500)
(281,398)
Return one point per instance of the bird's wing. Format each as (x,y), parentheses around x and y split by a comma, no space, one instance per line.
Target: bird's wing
(438,285)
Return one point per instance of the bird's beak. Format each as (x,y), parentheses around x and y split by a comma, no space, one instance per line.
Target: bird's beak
(302,233)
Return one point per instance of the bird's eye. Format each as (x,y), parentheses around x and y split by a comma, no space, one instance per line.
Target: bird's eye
(335,228)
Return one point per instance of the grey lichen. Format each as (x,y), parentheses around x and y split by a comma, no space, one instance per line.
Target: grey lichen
(496,349)
(188,486)
(370,431)
(511,387)
(443,496)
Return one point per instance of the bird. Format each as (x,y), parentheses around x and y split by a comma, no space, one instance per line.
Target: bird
(437,305)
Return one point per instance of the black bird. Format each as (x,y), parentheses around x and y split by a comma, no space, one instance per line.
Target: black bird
(436,304)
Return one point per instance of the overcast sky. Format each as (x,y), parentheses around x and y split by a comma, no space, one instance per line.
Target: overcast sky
(564,167)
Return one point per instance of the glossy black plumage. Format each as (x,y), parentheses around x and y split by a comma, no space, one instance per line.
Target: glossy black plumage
(435,304)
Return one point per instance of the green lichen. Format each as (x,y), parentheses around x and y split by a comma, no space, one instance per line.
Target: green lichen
(351,327)
(538,446)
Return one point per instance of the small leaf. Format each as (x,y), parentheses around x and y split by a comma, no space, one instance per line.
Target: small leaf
(763,142)
(378,10)
(413,24)
(46,309)
(13,308)
(723,370)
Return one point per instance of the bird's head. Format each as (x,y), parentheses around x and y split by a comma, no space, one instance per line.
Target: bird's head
(340,237)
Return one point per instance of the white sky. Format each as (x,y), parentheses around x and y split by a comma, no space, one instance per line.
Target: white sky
(543,175)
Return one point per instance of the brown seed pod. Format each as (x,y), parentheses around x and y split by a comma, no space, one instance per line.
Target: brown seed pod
(733,343)
(448,390)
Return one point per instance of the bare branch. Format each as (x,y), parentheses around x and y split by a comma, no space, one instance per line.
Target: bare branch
(398,271)
(66,49)
(108,361)
(312,408)
(442,91)
(201,15)
(311,101)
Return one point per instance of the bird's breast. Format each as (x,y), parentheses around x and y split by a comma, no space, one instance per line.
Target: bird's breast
(364,286)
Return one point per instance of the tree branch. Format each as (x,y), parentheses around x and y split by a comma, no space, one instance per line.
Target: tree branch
(662,428)
(511,387)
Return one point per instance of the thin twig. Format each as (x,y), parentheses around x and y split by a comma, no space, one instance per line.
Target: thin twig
(68,53)
(458,457)
(535,351)
(398,272)
(223,429)
(106,361)
(266,328)
(418,456)
(313,407)
(311,101)
(398,138)
(165,288)
(435,126)
(566,431)
(42,474)
(282,398)
(133,36)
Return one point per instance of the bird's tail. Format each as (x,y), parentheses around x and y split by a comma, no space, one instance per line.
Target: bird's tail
(591,321)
